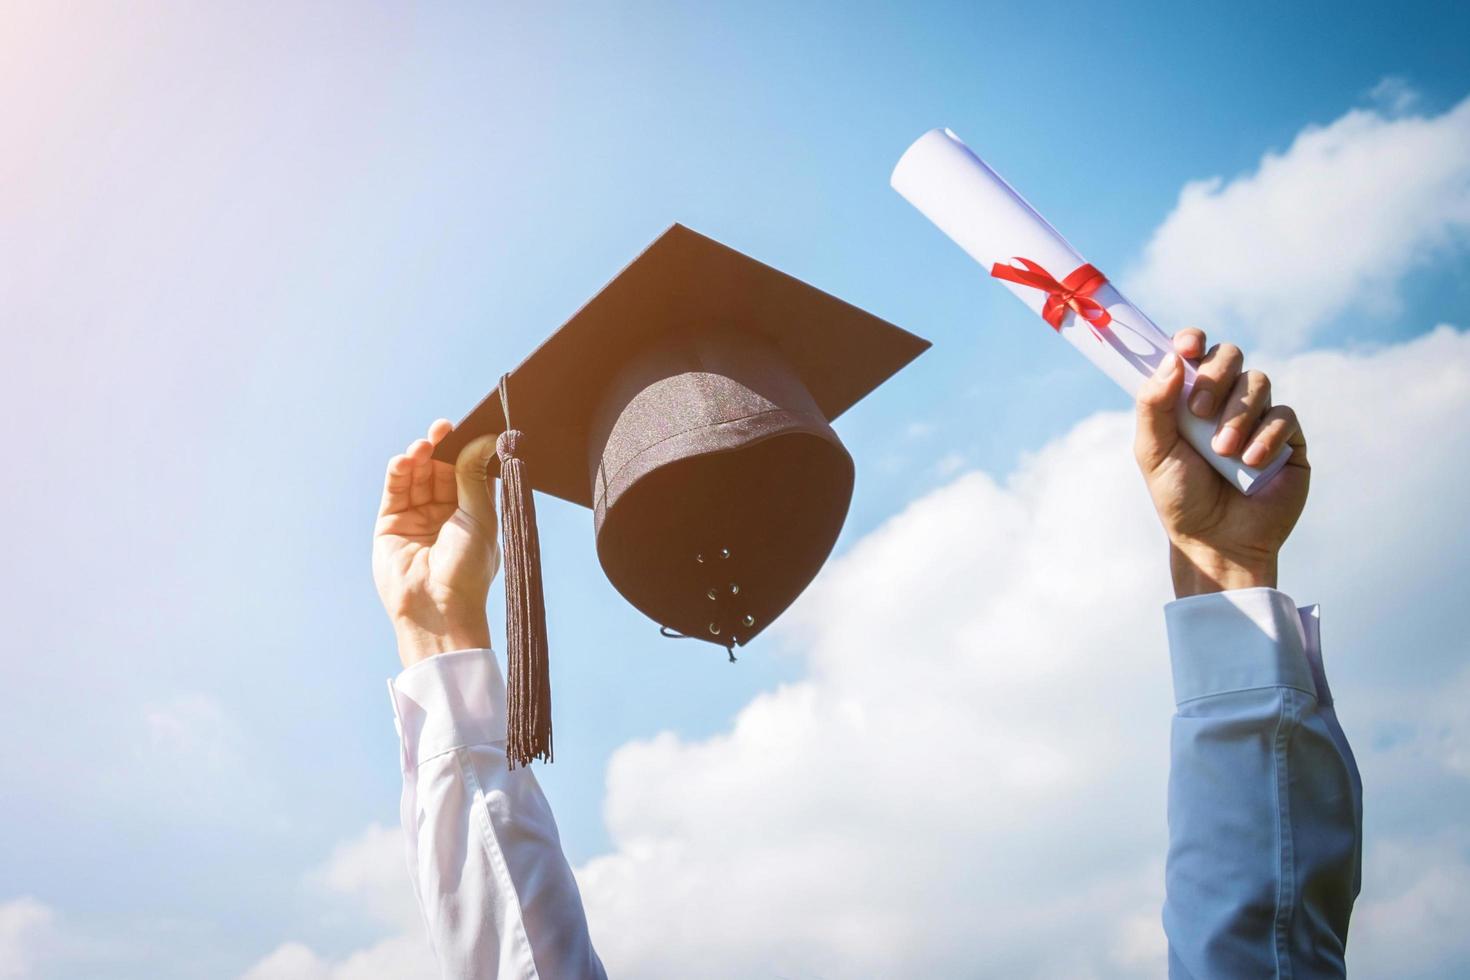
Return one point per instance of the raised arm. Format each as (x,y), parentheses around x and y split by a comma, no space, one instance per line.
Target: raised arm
(1265,804)
(497,894)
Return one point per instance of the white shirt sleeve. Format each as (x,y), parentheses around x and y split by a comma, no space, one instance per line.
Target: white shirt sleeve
(497,894)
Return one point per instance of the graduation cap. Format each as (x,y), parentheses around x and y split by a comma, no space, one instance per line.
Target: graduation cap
(688,405)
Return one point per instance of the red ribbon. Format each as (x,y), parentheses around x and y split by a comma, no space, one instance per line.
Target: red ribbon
(1072,293)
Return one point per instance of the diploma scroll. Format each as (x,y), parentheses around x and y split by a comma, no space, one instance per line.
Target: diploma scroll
(976,208)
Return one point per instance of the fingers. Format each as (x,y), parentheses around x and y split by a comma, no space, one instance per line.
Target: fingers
(1158,429)
(1247,403)
(443,490)
(395,486)
(1190,343)
(1249,426)
(412,478)
(1216,376)
(471,476)
(1277,426)
(421,482)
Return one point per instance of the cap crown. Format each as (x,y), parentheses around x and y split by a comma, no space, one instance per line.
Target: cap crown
(719,488)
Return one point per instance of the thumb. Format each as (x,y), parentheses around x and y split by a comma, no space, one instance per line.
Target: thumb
(471,480)
(1158,399)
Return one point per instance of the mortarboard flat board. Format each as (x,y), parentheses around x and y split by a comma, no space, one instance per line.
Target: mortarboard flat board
(688,404)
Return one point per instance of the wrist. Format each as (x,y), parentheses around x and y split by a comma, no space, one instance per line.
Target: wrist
(1198,569)
(418,641)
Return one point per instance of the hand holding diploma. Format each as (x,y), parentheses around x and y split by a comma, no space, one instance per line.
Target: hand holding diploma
(1199,415)
(1016,246)
(1218,538)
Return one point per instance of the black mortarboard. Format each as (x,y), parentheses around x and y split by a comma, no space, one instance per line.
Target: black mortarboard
(688,405)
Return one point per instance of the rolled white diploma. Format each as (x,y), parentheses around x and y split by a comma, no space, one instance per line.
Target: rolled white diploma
(973,205)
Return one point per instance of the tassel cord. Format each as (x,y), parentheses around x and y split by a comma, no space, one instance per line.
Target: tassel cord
(528,729)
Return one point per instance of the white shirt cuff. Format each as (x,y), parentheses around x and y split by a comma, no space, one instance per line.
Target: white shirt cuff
(448,701)
(1242,640)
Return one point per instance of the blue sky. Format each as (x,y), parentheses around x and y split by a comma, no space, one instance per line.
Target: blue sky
(249,251)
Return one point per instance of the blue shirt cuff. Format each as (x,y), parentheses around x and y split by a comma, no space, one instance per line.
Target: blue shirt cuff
(1241,640)
(448,701)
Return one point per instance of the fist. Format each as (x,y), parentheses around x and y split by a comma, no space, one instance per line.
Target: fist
(1219,538)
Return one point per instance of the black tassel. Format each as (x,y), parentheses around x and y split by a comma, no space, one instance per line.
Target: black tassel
(529,680)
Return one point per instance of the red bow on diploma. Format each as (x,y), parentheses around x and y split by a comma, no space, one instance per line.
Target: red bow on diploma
(1072,293)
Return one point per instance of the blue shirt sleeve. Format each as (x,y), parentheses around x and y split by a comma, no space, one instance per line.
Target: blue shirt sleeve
(1265,802)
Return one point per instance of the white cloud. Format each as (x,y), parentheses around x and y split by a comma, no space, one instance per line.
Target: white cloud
(396,958)
(1394,95)
(1328,226)
(193,732)
(950,463)
(193,729)
(367,876)
(1438,743)
(1415,925)
(291,961)
(25,929)
(371,872)
(975,763)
